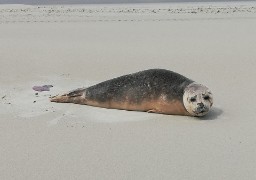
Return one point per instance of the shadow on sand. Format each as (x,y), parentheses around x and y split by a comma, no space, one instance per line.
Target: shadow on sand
(213,114)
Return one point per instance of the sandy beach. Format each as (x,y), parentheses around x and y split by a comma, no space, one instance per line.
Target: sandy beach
(72,46)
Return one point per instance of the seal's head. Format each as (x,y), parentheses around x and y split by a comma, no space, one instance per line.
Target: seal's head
(197,99)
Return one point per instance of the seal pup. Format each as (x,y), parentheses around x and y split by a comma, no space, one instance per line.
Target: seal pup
(153,90)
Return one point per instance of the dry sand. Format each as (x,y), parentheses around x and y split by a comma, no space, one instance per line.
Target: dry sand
(76,46)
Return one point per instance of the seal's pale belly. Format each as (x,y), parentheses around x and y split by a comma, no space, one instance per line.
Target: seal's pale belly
(174,107)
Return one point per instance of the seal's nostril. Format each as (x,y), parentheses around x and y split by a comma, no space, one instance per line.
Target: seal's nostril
(200,105)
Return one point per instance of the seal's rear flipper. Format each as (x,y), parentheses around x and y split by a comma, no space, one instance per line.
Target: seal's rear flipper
(77,96)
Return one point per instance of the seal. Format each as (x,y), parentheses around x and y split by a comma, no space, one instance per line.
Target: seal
(153,90)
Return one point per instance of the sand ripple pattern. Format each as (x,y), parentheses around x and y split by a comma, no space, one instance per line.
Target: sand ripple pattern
(101,13)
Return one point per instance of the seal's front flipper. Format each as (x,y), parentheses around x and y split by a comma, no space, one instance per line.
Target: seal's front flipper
(152,111)
(76,96)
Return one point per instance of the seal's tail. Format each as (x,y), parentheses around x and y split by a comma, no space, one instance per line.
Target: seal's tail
(77,96)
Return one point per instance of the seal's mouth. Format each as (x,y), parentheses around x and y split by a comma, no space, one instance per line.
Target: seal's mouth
(201,112)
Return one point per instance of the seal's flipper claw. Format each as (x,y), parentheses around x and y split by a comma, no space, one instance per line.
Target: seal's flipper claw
(60,99)
(151,111)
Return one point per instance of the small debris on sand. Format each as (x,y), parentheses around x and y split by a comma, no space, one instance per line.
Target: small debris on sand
(42,88)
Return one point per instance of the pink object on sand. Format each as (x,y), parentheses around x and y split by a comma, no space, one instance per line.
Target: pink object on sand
(42,88)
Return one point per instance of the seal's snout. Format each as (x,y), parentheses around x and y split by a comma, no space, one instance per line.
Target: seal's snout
(200,105)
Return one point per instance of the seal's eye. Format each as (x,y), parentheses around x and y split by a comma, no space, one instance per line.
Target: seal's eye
(193,99)
(206,97)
